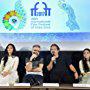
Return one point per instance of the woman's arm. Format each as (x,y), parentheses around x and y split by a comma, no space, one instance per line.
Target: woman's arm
(3,73)
(7,71)
(1,65)
(15,65)
(81,67)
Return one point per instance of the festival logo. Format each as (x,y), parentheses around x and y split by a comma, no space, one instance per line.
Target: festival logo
(35,12)
(15,19)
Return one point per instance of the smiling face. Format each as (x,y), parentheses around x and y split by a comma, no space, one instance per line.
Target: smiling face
(86,54)
(36,50)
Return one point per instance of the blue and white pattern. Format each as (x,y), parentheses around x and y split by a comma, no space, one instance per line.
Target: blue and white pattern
(71,23)
(44,37)
(19,8)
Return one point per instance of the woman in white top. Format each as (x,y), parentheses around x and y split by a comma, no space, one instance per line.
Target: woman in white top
(84,66)
(9,65)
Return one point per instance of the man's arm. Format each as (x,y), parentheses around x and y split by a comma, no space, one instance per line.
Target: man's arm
(38,69)
(72,68)
(28,66)
(50,65)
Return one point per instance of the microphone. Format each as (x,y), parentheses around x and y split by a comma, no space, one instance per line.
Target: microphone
(34,58)
(53,55)
(52,52)
(35,55)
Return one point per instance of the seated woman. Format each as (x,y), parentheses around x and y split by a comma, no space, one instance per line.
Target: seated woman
(84,66)
(8,66)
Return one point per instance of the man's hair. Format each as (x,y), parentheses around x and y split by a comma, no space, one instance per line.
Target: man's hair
(55,46)
(36,46)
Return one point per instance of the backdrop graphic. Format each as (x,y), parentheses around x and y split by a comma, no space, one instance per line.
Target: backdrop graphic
(36,16)
(44,21)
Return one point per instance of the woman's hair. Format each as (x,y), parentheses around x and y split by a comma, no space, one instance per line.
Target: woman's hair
(85,66)
(6,53)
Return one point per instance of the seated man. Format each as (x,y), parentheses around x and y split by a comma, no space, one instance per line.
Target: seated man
(57,69)
(34,67)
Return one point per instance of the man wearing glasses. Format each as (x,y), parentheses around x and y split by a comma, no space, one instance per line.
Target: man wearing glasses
(34,67)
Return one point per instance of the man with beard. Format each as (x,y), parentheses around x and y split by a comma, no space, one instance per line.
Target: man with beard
(57,69)
(34,67)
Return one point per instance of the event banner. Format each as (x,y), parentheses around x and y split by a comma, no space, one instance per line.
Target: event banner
(44,16)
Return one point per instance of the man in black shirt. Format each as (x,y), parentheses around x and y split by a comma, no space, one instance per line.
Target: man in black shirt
(34,67)
(57,69)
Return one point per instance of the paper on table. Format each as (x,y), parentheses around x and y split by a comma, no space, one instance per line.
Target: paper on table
(4,84)
(51,84)
(22,84)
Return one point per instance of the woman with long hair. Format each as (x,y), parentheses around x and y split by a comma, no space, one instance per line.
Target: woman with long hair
(9,65)
(84,65)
